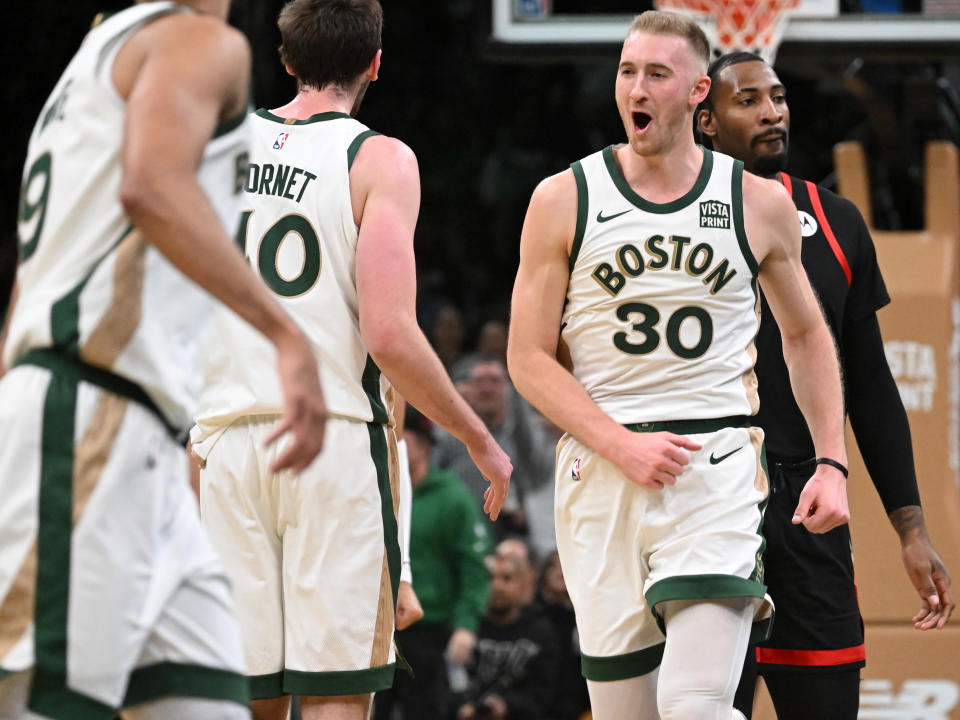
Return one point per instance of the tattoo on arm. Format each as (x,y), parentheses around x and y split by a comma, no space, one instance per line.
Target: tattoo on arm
(907,519)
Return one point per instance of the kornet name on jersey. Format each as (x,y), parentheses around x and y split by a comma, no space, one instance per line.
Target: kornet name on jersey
(297,231)
(90,285)
(662,304)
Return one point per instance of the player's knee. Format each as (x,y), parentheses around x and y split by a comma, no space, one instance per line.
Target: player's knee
(689,706)
(193,708)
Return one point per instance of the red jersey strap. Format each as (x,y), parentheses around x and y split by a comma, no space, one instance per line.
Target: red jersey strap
(827,230)
(787,183)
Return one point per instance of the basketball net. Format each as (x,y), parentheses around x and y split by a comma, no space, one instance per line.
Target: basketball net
(753,25)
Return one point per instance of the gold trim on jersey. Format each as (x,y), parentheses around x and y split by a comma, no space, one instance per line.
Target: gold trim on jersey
(122,317)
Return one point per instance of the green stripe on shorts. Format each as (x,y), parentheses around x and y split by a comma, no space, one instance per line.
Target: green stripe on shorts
(49,694)
(169,679)
(264,687)
(621,667)
(342,682)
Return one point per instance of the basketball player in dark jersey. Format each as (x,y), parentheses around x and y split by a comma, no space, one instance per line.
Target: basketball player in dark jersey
(811,663)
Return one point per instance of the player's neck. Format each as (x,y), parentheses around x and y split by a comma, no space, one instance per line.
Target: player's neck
(662,177)
(309,102)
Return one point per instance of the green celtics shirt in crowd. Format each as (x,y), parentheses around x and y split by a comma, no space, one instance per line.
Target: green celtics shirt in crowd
(448,543)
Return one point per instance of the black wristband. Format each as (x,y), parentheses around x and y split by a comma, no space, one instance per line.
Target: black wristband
(833,463)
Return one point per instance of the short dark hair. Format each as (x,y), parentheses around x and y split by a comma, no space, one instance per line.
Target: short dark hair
(713,72)
(329,42)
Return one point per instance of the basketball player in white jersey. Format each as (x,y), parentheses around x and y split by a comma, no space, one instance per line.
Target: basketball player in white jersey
(110,594)
(329,221)
(638,269)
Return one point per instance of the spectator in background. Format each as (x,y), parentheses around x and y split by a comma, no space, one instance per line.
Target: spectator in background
(482,380)
(520,551)
(448,542)
(512,673)
(492,339)
(446,334)
(571,700)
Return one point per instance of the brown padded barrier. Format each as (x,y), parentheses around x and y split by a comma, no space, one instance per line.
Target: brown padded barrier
(910,674)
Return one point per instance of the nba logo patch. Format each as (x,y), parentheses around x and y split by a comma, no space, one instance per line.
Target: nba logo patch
(575,470)
(281,139)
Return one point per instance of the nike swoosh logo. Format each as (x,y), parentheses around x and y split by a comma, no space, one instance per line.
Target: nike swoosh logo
(601,218)
(715,460)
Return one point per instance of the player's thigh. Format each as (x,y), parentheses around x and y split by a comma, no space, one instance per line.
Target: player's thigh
(341,563)
(239,506)
(598,522)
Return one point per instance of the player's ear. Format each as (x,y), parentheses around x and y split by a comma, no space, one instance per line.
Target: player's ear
(700,90)
(706,123)
(374,68)
(289,70)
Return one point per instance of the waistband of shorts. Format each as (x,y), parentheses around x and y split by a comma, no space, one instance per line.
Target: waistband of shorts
(74,368)
(691,427)
(808,464)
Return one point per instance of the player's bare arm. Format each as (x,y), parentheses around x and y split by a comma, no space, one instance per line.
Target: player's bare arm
(770,220)
(649,459)
(385,190)
(172,111)
(6,325)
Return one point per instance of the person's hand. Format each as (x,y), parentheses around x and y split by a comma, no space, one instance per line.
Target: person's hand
(654,459)
(466,712)
(823,502)
(931,579)
(495,466)
(408,606)
(304,411)
(460,646)
(497,707)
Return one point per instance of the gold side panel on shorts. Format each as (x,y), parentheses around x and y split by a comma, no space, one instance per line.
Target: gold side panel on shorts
(122,317)
(383,629)
(93,451)
(390,403)
(16,609)
(756,440)
(393,468)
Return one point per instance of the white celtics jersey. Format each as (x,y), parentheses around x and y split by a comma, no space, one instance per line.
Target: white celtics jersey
(89,283)
(298,233)
(662,306)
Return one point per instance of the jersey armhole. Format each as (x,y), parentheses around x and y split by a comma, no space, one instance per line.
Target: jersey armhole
(736,194)
(582,199)
(355,146)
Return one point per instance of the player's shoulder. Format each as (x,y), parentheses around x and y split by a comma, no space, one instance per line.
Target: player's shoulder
(384,148)
(556,191)
(197,33)
(766,197)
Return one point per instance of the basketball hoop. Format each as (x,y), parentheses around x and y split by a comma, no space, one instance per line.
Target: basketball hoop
(754,25)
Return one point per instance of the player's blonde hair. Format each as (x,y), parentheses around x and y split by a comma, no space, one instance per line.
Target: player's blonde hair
(659,22)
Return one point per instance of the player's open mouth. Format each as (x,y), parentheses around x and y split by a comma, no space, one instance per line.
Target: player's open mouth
(641,121)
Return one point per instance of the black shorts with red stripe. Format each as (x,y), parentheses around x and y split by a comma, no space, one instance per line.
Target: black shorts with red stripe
(818,627)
